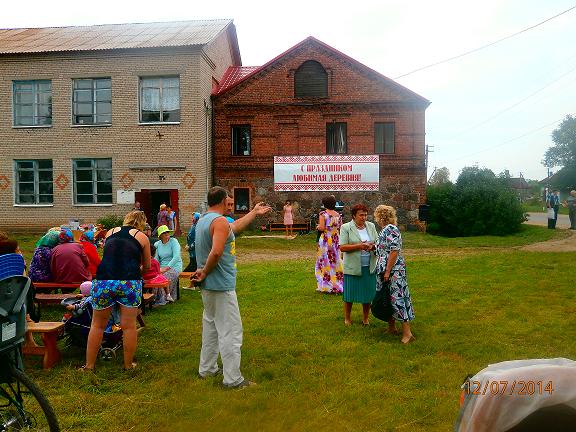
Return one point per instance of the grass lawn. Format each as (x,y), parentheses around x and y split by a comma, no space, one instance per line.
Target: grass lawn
(490,304)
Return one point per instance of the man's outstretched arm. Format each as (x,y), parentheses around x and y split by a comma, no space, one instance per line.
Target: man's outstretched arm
(240,225)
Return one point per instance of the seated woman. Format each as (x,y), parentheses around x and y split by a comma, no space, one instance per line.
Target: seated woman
(87,242)
(153,275)
(168,254)
(40,264)
(69,263)
(11,260)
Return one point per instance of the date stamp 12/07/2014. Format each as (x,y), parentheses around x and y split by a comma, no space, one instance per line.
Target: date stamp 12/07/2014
(510,388)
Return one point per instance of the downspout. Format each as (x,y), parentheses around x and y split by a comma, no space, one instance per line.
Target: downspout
(209,166)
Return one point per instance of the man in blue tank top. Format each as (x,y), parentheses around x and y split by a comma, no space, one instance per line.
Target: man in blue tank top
(216,273)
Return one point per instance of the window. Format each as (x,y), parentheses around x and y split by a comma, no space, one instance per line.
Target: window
(310,80)
(160,100)
(93,181)
(92,101)
(241,138)
(34,182)
(32,103)
(336,140)
(241,199)
(384,138)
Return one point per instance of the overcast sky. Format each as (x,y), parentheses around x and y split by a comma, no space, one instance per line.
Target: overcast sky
(494,108)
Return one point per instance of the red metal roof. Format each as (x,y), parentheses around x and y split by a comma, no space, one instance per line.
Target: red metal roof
(110,36)
(233,75)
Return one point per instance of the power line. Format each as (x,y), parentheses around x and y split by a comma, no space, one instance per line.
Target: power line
(499,113)
(509,141)
(487,45)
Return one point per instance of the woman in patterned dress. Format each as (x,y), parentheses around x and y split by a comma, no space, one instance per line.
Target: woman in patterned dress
(329,270)
(391,267)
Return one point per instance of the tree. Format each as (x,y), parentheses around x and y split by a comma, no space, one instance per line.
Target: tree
(479,203)
(563,152)
(440,176)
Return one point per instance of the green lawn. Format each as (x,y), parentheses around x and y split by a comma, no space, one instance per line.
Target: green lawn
(315,374)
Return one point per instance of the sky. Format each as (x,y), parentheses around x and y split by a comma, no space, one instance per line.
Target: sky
(495,108)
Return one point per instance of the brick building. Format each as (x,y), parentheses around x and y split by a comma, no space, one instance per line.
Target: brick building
(314,100)
(92,118)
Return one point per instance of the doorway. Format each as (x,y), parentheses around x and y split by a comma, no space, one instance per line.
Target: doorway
(150,200)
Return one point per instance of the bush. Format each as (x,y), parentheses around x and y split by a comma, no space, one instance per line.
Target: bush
(111,221)
(478,204)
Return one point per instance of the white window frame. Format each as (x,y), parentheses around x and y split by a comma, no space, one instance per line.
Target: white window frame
(141,88)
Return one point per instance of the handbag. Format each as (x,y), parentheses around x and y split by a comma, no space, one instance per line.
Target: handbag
(550,213)
(382,304)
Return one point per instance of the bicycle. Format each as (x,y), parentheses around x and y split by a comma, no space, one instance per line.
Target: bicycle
(23,406)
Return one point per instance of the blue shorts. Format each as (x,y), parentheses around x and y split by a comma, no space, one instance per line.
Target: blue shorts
(106,293)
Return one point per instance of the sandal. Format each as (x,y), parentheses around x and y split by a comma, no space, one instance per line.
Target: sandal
(132,366)
(83,368)
(410,339)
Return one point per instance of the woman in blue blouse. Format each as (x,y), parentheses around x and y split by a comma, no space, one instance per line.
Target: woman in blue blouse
(168,255)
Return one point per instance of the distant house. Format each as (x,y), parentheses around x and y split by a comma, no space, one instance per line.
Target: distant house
(564,180)
(522,188)
(95,117)
(312,122)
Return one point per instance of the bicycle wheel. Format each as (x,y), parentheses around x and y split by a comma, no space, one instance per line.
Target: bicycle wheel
(24,407)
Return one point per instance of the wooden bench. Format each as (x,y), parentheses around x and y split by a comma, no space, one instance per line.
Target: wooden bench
(50,299)
(55,286)
(49,332)
(147,299)
(295,227)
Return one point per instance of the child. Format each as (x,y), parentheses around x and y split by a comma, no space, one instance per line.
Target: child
(154,276)
(79,307)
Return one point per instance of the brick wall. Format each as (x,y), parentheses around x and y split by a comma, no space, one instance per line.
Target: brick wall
(283,125)
(125,141)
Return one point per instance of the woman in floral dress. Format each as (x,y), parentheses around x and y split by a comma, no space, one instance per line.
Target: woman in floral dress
(391,267)
(329,271)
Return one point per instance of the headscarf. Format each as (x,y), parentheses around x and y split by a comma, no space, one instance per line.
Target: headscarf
(66,236)
(87,236)
(196,216)
(50,239)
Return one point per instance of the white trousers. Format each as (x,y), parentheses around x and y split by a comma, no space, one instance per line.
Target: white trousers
(221,334)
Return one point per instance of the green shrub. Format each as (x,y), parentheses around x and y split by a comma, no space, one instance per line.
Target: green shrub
(111,221)
(478,204)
